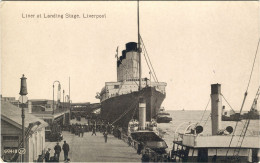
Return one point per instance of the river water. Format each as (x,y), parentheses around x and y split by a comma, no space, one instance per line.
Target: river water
(181,119)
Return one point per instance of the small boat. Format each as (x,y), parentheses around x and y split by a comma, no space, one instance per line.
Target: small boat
(148,136)
(232,117)
(252,114)
(145,135)
(163,117)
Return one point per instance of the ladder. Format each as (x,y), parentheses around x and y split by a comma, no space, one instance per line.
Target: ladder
(245,127)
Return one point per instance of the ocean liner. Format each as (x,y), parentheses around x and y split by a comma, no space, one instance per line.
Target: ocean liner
(119,100)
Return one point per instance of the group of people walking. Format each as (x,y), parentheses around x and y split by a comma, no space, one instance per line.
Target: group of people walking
(57,151)
(79,129)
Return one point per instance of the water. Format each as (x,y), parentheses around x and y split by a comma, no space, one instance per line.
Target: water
(182,119)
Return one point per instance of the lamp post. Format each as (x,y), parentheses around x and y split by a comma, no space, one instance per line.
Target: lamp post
(23,99)
(53,94)
(67,100)
(63,99)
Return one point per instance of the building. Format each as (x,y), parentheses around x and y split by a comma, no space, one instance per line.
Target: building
(8,99)
(44,109)
(11,134)
(39,105)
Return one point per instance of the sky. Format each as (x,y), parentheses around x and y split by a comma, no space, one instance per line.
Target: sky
(191,45)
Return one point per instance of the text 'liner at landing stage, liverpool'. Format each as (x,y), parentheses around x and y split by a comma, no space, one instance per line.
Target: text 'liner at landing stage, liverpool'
(119,100)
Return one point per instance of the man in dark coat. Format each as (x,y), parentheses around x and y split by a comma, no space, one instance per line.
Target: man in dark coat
(140,147)
(94,131)
(66,149)
(57,150)
(105,136)
(47,155)
(82,131)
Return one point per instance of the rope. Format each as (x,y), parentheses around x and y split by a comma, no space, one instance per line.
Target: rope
(245,95)
(130,108)
(253,65)
(232,108)
(204,111)
(133,113)
(149,67)
(148,58)
(246,125)
(207,120)
(227,102)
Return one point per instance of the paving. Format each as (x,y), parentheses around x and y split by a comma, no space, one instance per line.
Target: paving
(94,149)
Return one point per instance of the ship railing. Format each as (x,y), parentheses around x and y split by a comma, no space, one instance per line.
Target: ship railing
(131,143)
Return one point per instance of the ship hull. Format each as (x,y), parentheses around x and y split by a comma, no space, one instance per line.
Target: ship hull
(119,110)
(164,119)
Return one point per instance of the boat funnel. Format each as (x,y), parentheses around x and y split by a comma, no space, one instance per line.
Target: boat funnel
(142,114)
(216,108)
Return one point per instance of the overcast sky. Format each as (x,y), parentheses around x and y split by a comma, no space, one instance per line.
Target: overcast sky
(191,45)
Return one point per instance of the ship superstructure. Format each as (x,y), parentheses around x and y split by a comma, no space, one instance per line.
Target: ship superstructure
(118,98)
(127,76)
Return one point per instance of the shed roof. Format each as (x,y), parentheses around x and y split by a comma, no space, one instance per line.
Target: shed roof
(13,114)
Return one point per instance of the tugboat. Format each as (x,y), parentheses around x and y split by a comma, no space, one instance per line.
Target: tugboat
(163,117)
(230,117)
(252,114)
(193,146)
(146,135)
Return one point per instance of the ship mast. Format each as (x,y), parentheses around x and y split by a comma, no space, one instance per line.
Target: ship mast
(139,49)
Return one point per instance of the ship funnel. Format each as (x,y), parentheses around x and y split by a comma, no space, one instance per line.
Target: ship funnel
(142,114)
(216,108)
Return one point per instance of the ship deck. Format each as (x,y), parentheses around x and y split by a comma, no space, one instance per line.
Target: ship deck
(218,141)
(94,149)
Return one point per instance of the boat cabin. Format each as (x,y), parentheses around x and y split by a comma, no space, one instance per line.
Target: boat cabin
(199,148)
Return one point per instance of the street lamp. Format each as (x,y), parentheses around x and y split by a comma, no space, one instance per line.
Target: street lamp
(23,99)
(63,99)
(53,94)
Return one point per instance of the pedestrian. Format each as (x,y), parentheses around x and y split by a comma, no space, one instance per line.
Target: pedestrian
(76,130)
(47,155)
(119,134)
(214,159)
(129,141)
(105,136)
(82,131)
(140,147)
(94,130)
(57,150)
(79,130)
(66,149)
(145,157)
